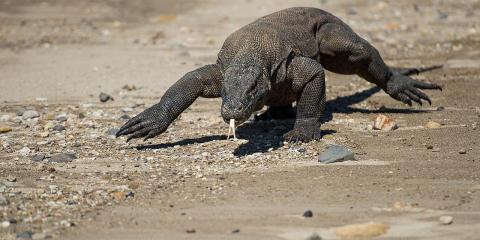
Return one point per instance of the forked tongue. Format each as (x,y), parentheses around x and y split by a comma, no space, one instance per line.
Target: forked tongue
(231,129)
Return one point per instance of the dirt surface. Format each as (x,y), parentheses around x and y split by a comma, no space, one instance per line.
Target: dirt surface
(192,183)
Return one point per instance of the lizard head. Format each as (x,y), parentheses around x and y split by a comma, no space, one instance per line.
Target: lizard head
(245,88)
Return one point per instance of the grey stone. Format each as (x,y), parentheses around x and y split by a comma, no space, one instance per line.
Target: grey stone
(105,97)
(3,187)
(30,114)
(20,112)
(27,235)
(3,201)
(125,117)
(38,157)
(63,158)
(314,236)
(336,153)
(308,214)
(59,128)
(61,118)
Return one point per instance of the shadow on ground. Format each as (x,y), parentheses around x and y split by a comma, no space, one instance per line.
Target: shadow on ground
(267,135)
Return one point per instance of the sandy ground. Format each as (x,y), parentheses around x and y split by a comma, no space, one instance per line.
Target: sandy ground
(192,183)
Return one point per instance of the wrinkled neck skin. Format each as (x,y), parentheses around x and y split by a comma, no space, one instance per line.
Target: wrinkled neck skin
(245,88)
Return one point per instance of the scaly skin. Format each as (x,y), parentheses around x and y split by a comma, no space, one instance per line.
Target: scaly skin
(275,61)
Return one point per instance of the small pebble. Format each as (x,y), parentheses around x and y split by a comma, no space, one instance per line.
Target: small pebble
(3,200)
(24,151)
(129,87)
(462,151)
(61,118)
(105,97)
(20,112)
(30,114)
(6,224)
(308,214)
(190,231)
(446,220)
(38,157)
(441,108)
(384,123)
(63,158)
(129,194)
(433,125)
(27,235)
(314,237)
(5,129)
(430,147)
(59,128)
(11,178)
(44,134)
(5,118)
(125,117)
(127,109)
(235,231)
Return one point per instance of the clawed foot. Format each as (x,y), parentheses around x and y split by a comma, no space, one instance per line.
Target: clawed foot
(407,90)
(304,133)
(147,124)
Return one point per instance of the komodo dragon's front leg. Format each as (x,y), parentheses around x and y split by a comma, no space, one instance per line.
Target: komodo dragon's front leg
(203,82)
(308,80)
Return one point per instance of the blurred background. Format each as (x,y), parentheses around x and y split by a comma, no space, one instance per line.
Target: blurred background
(69,50)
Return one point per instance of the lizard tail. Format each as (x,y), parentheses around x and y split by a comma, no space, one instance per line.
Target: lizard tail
(416,71)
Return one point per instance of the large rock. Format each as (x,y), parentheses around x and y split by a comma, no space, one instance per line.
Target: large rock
(336,153)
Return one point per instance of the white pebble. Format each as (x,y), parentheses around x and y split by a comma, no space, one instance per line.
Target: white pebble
(446,220)
(24,151)
(5,224)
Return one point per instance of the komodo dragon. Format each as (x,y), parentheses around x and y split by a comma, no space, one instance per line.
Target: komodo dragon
(277,60)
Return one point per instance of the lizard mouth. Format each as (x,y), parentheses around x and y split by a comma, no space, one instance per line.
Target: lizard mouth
(238,120)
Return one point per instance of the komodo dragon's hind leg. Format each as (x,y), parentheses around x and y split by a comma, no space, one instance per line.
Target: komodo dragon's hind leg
(277,113)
